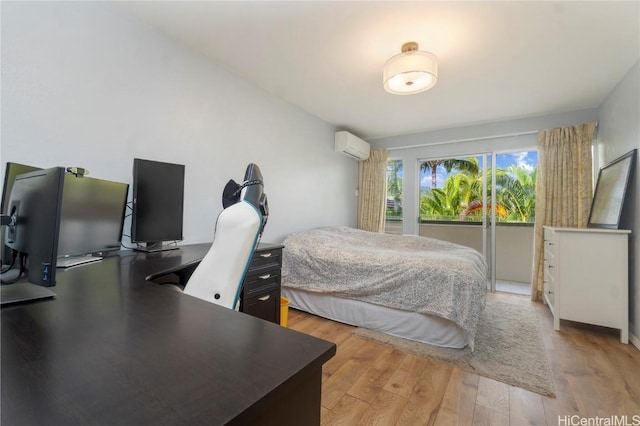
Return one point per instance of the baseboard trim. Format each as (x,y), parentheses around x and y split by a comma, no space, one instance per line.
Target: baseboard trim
(635,341)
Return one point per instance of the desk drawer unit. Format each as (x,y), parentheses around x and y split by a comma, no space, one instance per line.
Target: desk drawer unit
(261,287)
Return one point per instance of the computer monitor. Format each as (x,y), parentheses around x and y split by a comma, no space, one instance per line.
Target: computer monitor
(12,170)
(34,206)
(158,199)
(91,219)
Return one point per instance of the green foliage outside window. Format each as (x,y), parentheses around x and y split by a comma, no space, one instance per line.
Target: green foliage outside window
(394,190)
(460,198)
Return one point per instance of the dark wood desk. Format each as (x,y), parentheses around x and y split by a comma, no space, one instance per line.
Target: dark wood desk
(113,348)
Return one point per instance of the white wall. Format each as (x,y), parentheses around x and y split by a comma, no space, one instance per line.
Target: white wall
(619,133)
(84,84)
(514,246)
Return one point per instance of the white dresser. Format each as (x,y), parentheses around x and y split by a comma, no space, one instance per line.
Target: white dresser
(586,276)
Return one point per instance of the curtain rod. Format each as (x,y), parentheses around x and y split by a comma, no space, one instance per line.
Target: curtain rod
(506,135)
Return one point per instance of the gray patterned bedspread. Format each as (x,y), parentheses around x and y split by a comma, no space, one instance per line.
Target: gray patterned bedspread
(410,273)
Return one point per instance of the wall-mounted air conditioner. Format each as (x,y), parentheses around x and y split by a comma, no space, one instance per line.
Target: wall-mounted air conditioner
(352,146)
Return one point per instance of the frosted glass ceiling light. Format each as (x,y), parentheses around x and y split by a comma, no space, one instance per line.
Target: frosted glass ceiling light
(411,71)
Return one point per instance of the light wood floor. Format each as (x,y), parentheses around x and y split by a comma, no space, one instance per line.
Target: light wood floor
(368,383)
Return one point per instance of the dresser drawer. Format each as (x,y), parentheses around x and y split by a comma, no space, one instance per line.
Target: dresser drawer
(266,306)
(549,271)
(266,259)
(261,283)
(549,244)
(549,285)
(549,252)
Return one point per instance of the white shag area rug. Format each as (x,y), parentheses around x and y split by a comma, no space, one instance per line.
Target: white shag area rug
(508,347)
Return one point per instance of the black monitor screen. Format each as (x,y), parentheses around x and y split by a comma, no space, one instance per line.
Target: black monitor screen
(11,172)
(158,198)
(35,205)
(91,216)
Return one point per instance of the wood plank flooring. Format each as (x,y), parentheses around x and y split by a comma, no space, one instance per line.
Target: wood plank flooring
(372,384)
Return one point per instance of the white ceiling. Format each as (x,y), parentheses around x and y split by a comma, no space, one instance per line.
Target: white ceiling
(497,60)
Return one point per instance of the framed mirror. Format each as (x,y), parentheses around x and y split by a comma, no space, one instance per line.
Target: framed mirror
(609,195)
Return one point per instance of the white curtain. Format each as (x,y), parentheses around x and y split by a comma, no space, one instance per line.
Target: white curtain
(564,187)
(373,191)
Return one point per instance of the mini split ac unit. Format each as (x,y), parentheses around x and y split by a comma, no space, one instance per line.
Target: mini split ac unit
(352,146)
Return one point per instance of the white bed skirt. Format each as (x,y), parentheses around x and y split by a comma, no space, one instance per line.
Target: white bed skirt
(427,329)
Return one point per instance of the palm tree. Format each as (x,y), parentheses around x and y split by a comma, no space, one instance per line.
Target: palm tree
(515,196)
(438,205)
(517,192)
(469,187)
(446,202)
(469,165)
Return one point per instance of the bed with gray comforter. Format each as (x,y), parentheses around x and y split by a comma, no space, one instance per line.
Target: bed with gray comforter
(408,273)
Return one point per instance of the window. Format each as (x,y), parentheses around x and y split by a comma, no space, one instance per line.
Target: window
(451,189)
(394,197)
(516,186)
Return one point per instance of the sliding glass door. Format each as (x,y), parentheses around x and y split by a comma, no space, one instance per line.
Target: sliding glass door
(515,214)
(452,200)
(458,203)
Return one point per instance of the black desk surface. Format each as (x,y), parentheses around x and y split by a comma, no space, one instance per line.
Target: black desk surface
(113,348)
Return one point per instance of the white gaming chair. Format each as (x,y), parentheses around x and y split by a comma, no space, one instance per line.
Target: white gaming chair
(218,278)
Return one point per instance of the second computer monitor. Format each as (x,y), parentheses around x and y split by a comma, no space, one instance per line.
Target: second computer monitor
(158,200)
(91,218)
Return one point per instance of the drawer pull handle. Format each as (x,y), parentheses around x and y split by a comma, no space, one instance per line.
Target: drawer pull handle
(550,266)
(264,277)
(264,298)
(265,254)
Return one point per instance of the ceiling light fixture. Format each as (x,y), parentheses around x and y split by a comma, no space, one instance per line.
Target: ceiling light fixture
(412,71)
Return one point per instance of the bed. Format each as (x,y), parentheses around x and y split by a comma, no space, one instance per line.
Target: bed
(418,288)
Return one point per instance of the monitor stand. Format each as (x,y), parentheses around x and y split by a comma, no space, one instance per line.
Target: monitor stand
(23,292)
(155,247)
